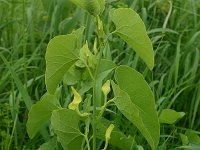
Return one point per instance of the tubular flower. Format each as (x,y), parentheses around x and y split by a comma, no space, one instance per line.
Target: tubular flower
(108,132)
(107,135)
(76,101)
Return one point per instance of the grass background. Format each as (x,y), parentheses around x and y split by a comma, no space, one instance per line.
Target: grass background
(26,26)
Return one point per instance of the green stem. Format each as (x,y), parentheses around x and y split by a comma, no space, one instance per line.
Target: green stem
(87,142)
(105,100)
(94,100)
(82,114)
(94,91)
(103,108)
(106,145)
(88,68)
(94,114)
(101,47)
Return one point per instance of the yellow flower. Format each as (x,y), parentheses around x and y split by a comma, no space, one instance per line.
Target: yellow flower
(108,132)
(76,101)
(107,135)
(106,88)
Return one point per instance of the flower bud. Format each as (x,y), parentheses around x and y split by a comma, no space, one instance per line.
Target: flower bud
(106,88)
(108,132)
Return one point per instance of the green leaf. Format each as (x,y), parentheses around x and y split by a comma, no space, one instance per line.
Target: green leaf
(50,145)
(170,116)
(87,57)
(40,113)
(79,34)
(130,27)
(193,136)
(67,24)
(85,86)
(94,7)
(117,138)
(72,76)
(60,56)
(131,112)
(135,100)
(191,146)
(87,103)
(139,147)
(65,123)
(105,67)
(102,5)
(184,139)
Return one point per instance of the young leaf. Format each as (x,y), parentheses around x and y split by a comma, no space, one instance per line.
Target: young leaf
(60,56)
(65,124)
(134,87)
(130,27)
(79,34)
(105,67)
(94,7)
(117,138)
(87,103)
(86,56)
(86,85)
(170,116)
(40,113)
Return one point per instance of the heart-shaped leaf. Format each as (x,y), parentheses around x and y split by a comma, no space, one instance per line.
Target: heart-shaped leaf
(135,100)
(130,27)
(60,56)
(40,113)
(65,123)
